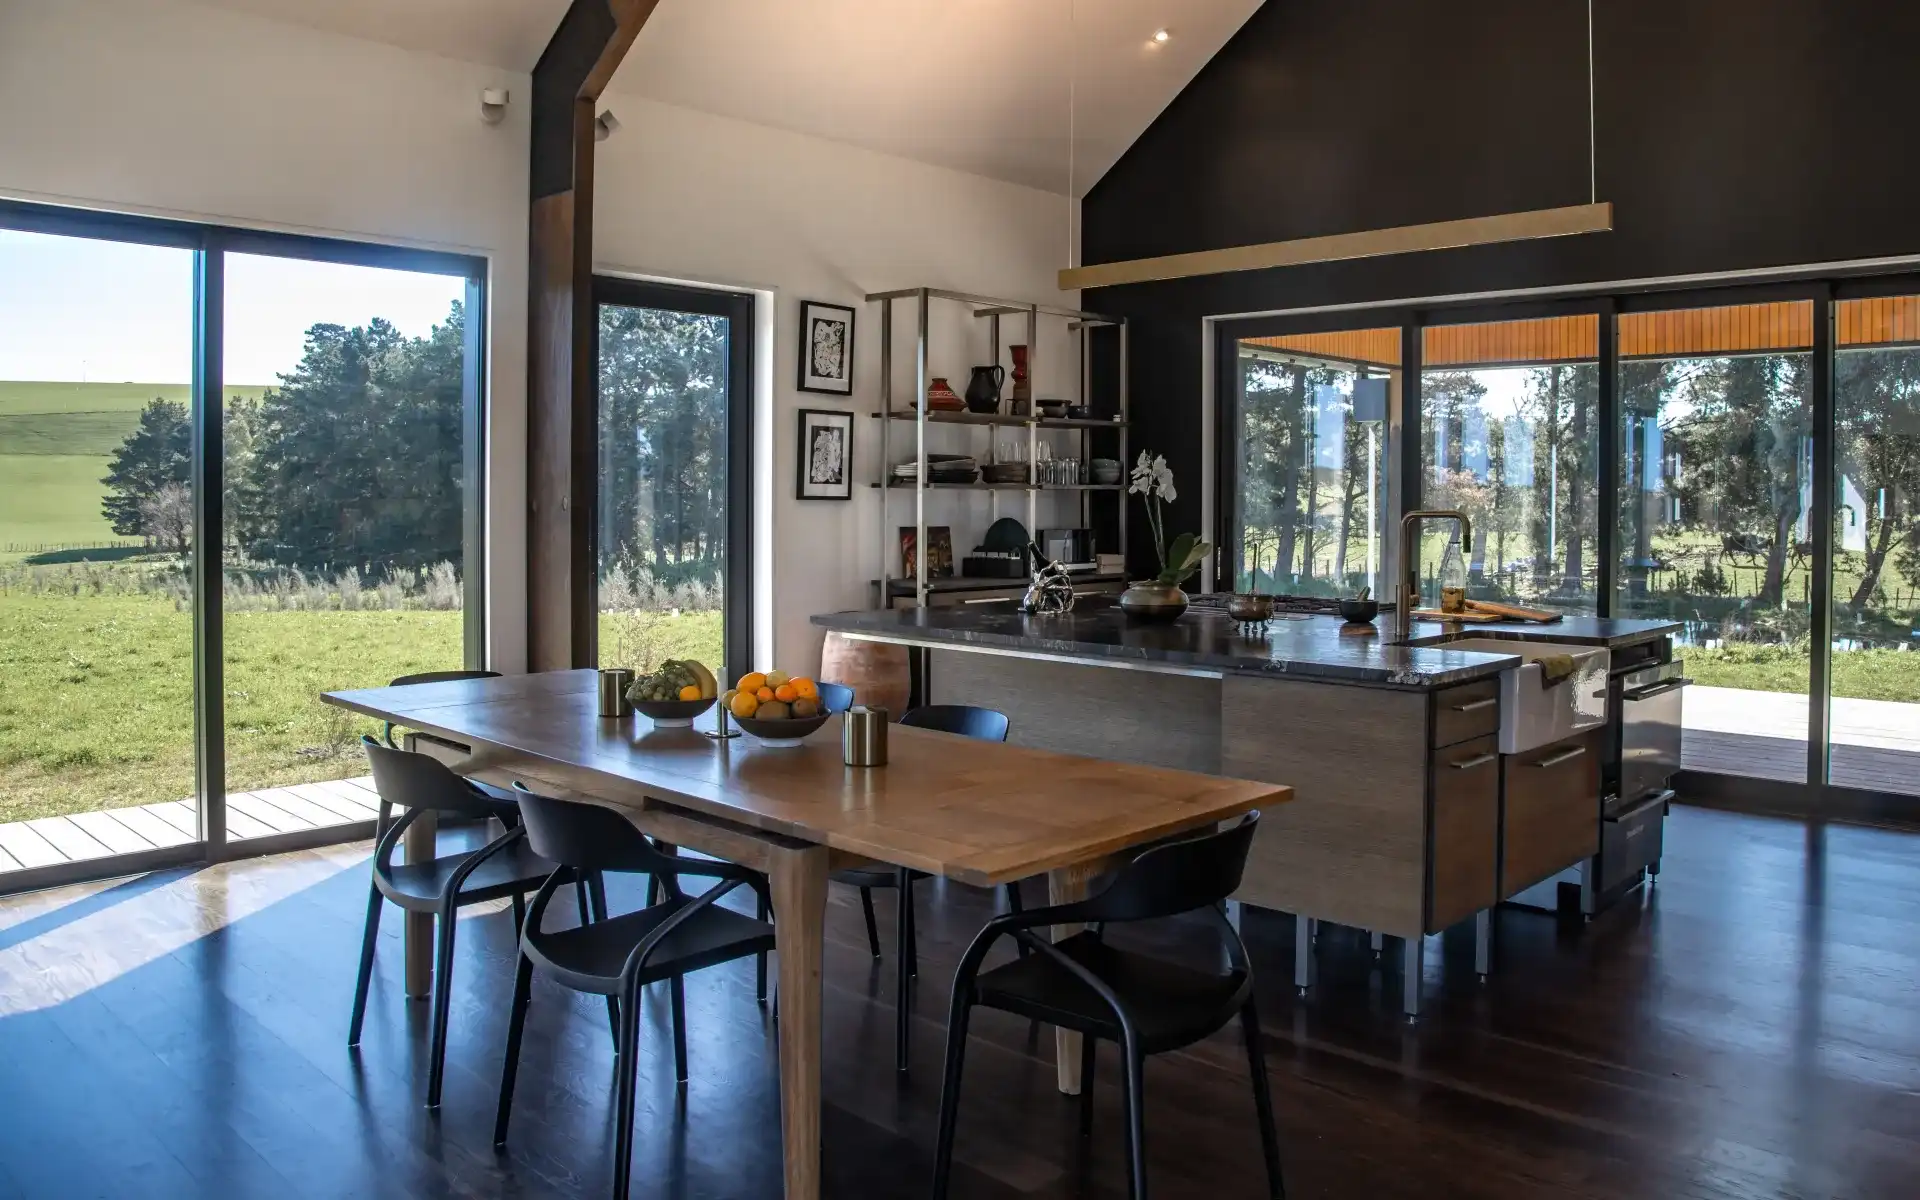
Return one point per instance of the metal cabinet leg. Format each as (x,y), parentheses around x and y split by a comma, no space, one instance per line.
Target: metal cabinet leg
(1483,943)
(1302,953)
(1378,941)
(1413,961)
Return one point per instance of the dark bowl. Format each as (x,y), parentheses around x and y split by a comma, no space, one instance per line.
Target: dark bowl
(788,732)
(672,714)
(1360,612)
(1050,408)
(1079,412)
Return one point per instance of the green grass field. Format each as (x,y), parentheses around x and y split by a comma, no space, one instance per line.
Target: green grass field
(55,443)
(96,694)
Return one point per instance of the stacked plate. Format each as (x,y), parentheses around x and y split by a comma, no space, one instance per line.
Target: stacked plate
(1105,470)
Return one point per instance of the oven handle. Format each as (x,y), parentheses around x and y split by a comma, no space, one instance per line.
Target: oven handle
(1653,800)
(1655,689)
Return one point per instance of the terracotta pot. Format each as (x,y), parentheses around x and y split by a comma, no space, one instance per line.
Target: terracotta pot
(1151,600)
(878,673)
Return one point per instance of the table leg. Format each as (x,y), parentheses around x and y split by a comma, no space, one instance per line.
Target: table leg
(1064,886)
(418,846)
(798,879)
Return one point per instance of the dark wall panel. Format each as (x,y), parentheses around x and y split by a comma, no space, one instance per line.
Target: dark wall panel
(1732,134)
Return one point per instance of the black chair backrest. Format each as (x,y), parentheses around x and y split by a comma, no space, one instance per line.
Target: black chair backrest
(1177,877)
(442,677)
(964,719)
(835,697)
(414,780)
(586,837)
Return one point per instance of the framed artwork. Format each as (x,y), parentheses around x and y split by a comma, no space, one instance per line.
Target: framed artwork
(825,469)
(826,348)
(939,552)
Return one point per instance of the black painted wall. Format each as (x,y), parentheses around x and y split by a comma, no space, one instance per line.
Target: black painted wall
(1731,134)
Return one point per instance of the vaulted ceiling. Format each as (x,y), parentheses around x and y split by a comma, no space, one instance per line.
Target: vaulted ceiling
(982,86)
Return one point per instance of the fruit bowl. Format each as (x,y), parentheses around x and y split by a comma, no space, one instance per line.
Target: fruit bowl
(785,731)
(672,714)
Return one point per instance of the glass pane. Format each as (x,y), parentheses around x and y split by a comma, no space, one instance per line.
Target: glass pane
(1715,487)
(663,487)
(1510,435)
(1310,443)
(96,614)
(344,392)
(1875,716)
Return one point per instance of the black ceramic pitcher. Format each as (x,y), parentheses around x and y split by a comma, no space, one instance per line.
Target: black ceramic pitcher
(983,390)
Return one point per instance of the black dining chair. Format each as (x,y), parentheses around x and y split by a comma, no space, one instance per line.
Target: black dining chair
(967,721)
(503,799)
(1147,1005)
(835,697)
(617,956)
(504,866)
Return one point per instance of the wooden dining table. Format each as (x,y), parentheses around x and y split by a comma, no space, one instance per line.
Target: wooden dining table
(976,812)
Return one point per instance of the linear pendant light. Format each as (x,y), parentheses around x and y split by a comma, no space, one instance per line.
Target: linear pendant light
(1596,216)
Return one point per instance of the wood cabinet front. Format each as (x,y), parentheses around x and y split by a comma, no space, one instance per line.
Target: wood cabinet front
(1552,809)
(1463,874)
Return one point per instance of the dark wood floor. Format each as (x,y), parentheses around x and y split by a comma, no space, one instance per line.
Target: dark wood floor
(1751,1030)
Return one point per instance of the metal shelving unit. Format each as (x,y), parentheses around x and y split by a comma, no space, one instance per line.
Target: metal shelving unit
(993,311)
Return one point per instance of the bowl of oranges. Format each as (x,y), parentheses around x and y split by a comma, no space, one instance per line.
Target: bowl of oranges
(777,708)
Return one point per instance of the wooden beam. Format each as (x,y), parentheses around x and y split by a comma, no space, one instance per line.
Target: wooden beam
(1402,239)
(586,48)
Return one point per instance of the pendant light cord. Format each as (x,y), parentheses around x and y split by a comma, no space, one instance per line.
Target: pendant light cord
(1073,62)
(1593,121)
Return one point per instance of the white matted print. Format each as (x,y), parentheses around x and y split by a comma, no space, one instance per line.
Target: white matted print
(825,467)
(826,348)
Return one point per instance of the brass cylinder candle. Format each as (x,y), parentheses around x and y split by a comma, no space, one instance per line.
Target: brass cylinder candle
(863,736)
(614,682)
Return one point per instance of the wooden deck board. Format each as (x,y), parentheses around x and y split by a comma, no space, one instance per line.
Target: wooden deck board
(106,828)
(351,795)
(249,818)
(309,814)
(322,799)
(179,814)
(143,822)
(73,842)
(28,848)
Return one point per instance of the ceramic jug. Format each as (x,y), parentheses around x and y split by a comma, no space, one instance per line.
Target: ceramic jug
(983,391)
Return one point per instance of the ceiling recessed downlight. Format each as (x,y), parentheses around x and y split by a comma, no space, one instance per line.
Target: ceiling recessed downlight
(1161,36)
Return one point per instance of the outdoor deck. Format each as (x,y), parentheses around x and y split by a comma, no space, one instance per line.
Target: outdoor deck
(50,841)
(1734,731)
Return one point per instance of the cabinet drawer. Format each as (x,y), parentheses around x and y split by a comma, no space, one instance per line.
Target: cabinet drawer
(1550,811)
(1469,711)
(1463,872)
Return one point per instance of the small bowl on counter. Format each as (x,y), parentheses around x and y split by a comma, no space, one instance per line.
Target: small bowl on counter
(1250,608)
(1360,612)
(672,714)
(785,731)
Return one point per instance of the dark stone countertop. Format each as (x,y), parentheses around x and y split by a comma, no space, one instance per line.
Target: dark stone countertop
(1611,632)
(1309,648)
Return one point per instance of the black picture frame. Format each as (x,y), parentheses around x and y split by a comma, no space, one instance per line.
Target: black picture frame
(818,313)
(812,477)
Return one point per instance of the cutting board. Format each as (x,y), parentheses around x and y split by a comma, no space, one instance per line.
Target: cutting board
(1514,612)
(1465,618)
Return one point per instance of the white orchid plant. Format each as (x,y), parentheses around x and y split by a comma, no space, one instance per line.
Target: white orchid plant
(1152,479)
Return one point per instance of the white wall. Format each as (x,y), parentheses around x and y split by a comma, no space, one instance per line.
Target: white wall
(685,195)
(175,110)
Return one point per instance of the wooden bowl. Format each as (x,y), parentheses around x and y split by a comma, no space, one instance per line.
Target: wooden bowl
(671,714)
(790,731)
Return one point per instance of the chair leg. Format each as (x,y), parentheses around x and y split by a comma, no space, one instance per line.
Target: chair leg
(516,1024)
(873,930)
(1263,1100)
(1014,905)
(374,903)
(678,995)
(902,977)
(958,1014)
(760,913)
(519,913)
(580,899)
(1087,1043)
(442,1000)
(626,1068)
(1135,1064)
(592,894)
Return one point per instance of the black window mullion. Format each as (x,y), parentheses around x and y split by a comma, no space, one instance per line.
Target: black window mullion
(209,517)
(473,470)
(1820,520)
(1607,524)
(738,633)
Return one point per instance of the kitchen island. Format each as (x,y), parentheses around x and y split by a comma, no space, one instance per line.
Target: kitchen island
(1406,820)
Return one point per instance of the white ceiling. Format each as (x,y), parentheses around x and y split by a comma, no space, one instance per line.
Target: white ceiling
(976,85)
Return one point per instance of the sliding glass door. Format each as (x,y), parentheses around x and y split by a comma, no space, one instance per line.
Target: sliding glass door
(344,518)
(671,526)
(96,579)
(1716,498)
(236,470)
(1874,720)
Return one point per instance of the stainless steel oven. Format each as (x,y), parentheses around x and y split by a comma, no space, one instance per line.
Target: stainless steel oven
(1645,706)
